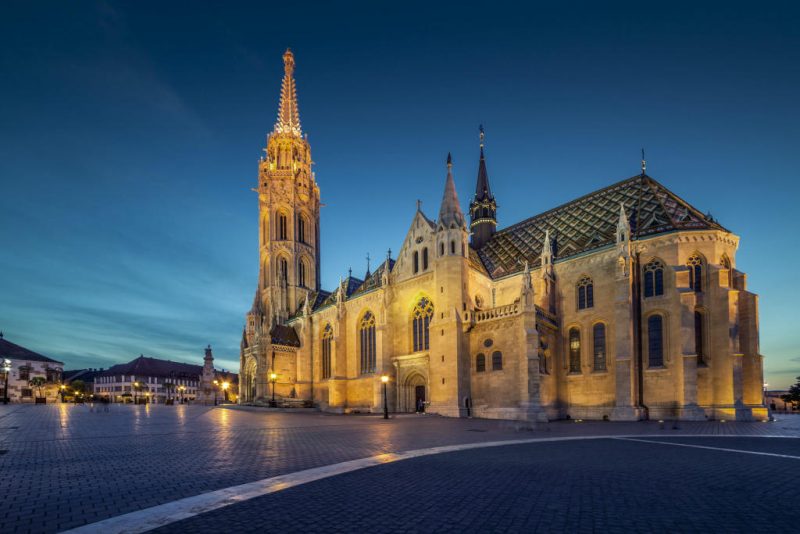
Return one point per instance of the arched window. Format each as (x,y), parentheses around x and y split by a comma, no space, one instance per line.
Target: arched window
(574,350)
(366,330)
(699,339)
(585,293)
(599,346)
(283,270)
(695,264)
(452,247)
(497,361)
(421,316)
(416,262)
(301,273)
(282,226)
(441,249)
(726,264)
(480,363)
(655,341)
(425,259)
(327,338)
(301,228)
(653,279)
(543,364)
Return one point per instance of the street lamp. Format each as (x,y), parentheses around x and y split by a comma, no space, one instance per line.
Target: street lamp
(6,370)
(273,378)
(225,386)
(216,388)
(182,389)
(135,387)
(62,387)
(385,380)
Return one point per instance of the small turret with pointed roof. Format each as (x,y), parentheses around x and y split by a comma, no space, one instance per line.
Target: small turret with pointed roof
(483,208)
(450,214)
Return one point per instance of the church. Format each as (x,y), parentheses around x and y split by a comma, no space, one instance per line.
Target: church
(624,304)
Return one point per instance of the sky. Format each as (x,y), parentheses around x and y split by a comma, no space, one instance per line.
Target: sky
(130,134)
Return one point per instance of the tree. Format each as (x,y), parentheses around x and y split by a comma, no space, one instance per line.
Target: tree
(794,393)
(38,382)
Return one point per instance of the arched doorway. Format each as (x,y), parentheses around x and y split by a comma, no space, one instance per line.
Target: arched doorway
(414,393)
(247,389)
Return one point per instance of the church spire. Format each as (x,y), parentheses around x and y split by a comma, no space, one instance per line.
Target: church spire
(288,113)
(450,213)
(483,208)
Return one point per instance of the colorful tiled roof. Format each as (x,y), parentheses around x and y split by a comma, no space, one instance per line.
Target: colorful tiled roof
(284,335)
(590,222)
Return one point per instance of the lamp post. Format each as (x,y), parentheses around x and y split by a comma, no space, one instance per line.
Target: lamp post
(6,371)
(384,381)
(225,386)
(216,388)
(62,389)
(182,388)
(273,378)
(135,387)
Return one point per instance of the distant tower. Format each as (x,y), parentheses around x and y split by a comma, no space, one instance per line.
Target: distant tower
(483,208)
(288,201)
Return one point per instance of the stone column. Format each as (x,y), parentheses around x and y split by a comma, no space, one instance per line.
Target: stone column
(262,368)
(529,377)
(625,408)
(687,397)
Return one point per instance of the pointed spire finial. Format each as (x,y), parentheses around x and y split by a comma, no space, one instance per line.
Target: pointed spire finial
(388,255)
(450,211)
(367,276)
(482,135)
(288,113)
(449,160)
(644,163)
(419,205)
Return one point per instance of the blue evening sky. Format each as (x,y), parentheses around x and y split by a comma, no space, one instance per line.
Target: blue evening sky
(130,133)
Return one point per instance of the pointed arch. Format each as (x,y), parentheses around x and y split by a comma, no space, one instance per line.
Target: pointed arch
(421,315)
(725,262)
(327,341)
(696,263)
(585,291)
(653,278)
(366,337)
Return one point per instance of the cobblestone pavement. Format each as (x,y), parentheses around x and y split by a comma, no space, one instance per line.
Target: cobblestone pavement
(63,466)
(602,485)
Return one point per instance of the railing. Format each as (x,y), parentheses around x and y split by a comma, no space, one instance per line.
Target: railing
(496,313)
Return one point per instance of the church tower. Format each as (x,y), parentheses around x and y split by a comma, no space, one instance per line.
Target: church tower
(483,208)
(288,202)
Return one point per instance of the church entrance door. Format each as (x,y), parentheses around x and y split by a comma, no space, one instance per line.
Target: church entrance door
(419,398)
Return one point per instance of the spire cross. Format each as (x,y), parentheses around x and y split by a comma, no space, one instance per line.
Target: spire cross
(644,163)
(367,261)
(419,205)
(482,135)
(388,254)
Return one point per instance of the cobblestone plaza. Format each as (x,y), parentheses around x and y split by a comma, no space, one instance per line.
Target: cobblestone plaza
(69,466)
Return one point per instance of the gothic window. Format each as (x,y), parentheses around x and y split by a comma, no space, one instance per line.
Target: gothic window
(282,226)
(585,293)
(653,279)
(416,262)
(699,339)
(655,341)
(726,264)
(480,363)
(25,373)
(421,316)
(497,361)
(441,249)
(327,337)
(425,259)
(301,273)
(695,264)
(452,247)
(543,363)
(366,330)
(599,346)
(574,350)
(301,228)
(283,270)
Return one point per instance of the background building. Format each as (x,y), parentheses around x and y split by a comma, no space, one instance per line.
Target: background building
(25,366)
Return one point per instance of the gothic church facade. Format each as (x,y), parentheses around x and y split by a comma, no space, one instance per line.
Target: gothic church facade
(623,304)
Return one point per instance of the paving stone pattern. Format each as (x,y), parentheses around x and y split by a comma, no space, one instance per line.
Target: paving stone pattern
(601,485)
(67,465)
